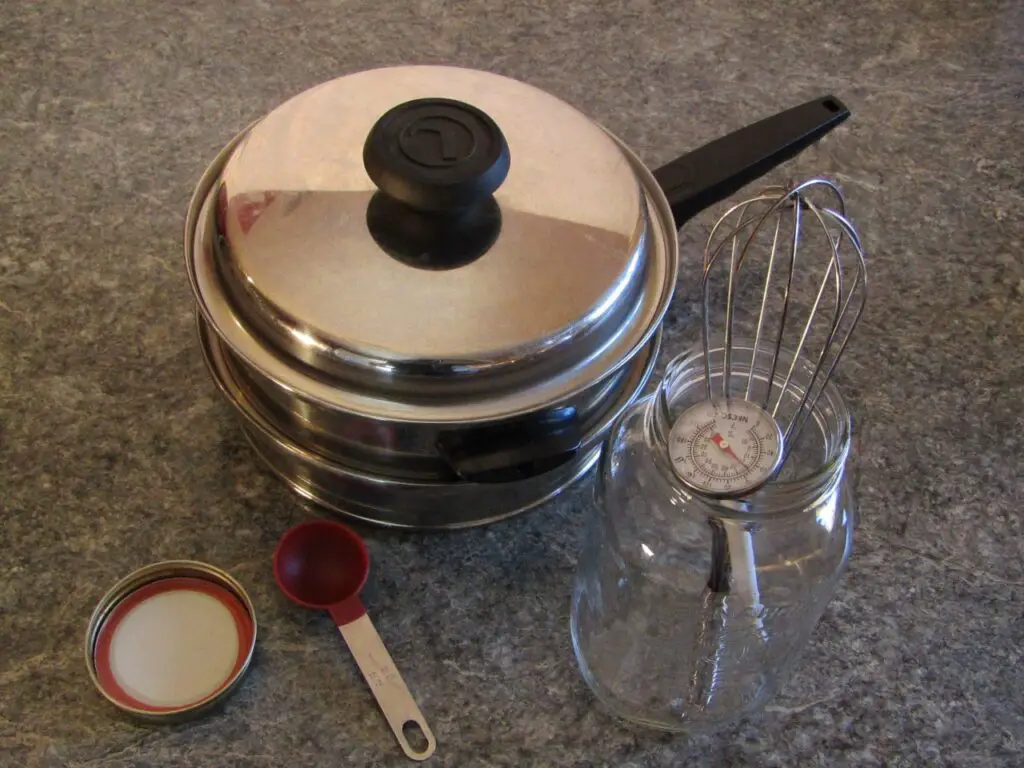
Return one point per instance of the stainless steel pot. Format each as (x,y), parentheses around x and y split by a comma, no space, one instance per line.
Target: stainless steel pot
(429,290)
(403,502)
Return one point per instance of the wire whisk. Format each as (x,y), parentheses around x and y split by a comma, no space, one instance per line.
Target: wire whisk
(792,220)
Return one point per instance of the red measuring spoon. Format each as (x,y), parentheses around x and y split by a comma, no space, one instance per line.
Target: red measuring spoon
(323,564)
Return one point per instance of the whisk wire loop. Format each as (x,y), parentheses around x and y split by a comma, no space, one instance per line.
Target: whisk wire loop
(793,216)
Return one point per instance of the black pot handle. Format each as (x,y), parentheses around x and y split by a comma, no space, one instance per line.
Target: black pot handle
(715,171)
(513,450)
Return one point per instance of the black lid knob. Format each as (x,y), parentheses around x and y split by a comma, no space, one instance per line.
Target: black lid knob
(436,154)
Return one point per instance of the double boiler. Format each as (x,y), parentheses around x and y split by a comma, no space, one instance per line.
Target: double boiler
(428,291)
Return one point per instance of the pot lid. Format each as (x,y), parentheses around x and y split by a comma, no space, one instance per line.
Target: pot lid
(424,225)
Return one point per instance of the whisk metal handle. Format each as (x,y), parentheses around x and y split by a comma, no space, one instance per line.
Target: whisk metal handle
(715,171)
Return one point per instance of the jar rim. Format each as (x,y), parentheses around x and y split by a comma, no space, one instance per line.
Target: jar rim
(779,497)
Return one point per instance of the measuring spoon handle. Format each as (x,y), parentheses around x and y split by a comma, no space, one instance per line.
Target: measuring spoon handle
(388,688)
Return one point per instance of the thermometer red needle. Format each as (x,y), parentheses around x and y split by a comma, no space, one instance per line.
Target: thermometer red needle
(720,441)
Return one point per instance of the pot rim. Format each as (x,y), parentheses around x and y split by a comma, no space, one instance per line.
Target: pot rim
(230,390)
(396,515)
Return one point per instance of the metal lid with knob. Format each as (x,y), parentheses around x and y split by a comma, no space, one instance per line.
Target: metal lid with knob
(436,232)
(445,245)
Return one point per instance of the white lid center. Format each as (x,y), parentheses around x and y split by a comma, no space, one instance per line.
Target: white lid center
(174,648)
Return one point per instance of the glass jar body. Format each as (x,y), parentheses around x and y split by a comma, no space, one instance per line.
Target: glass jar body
(688,614)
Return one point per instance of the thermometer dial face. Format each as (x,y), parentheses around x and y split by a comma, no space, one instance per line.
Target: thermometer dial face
(723,447)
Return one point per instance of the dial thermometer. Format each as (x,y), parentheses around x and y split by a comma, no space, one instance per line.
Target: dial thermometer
(725,447)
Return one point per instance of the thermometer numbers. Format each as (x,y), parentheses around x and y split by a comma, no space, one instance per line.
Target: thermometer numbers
(725,447)
(715,462)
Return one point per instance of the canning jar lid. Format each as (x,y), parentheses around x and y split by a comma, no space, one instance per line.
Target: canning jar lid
(434,230)
(171,640)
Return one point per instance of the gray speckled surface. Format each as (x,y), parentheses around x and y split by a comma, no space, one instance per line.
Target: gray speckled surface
(115,450)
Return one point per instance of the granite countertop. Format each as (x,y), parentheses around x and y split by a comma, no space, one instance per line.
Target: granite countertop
(116,450)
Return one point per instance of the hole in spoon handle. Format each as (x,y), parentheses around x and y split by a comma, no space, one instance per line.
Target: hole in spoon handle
(380,673)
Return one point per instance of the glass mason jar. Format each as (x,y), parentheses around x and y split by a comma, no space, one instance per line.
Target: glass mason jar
(689,613)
